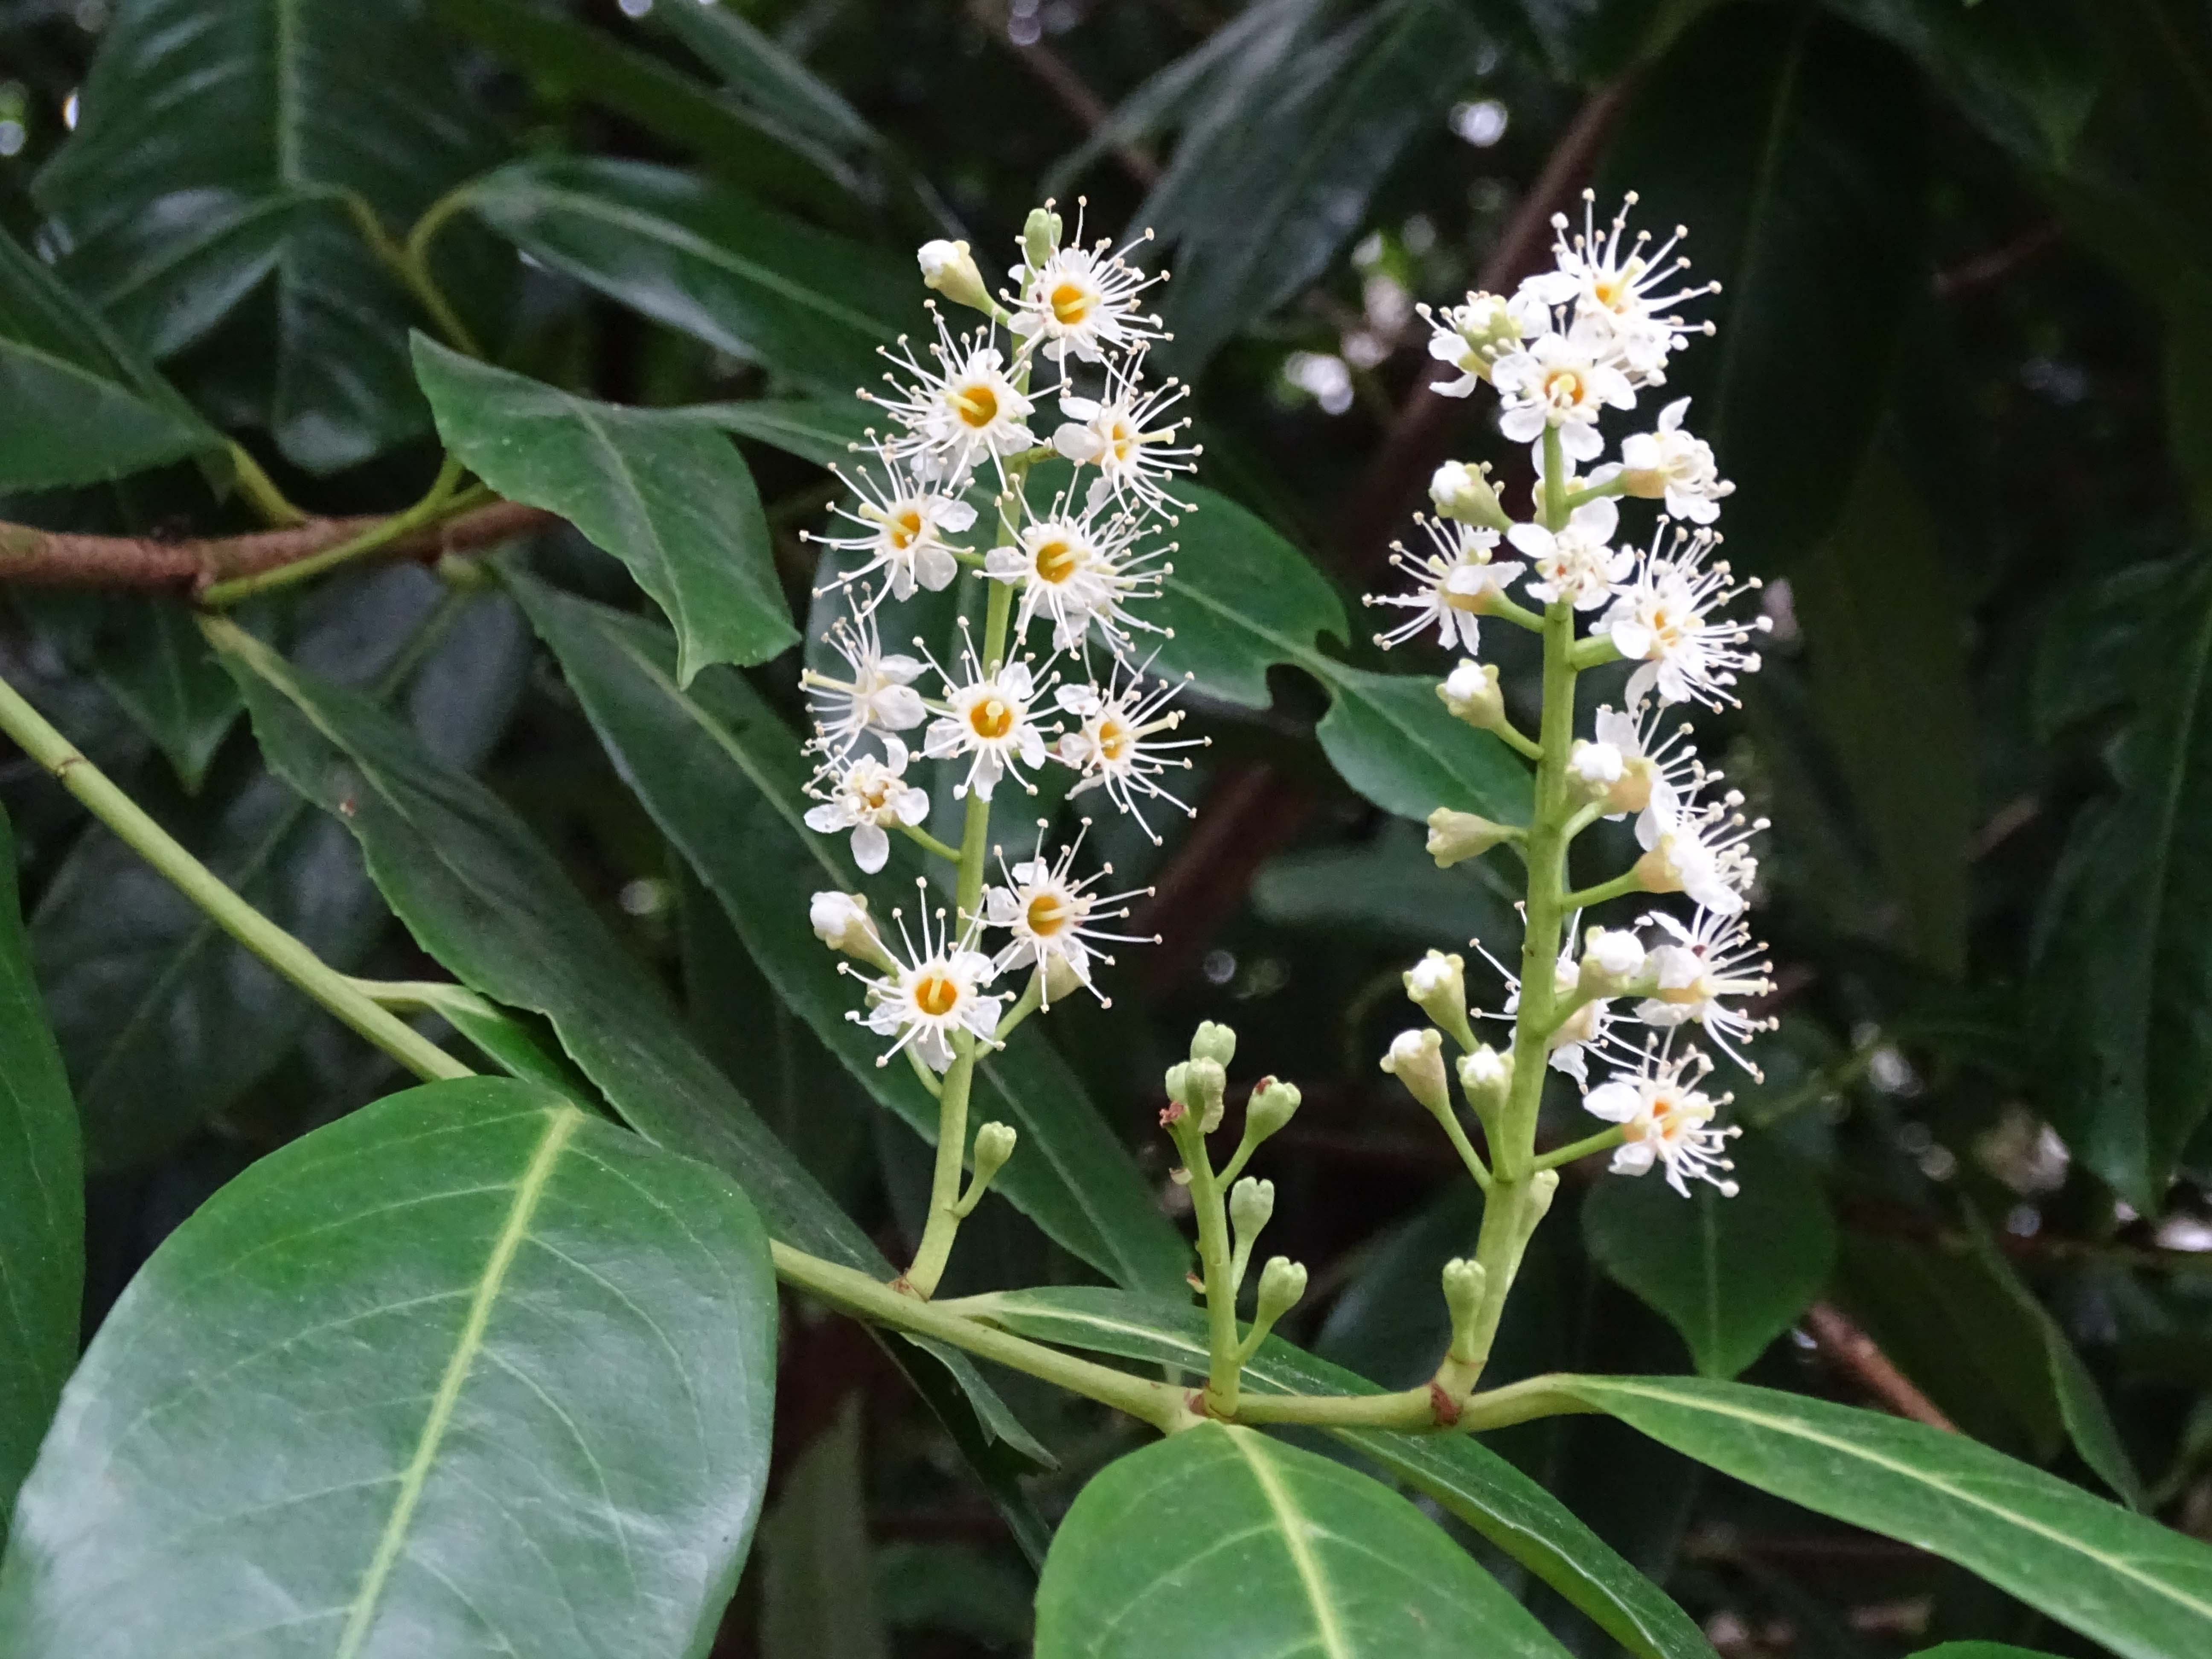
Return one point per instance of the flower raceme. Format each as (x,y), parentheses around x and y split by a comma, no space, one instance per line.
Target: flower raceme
(1575,348)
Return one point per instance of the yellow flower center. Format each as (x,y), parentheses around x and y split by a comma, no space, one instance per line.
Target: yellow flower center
(875,793)
(991,718)
(1564,386)
(1048,914)
(1057,559)
(904,527)
(936,994)
(1072,302)
(976,404)
(1123,443)
(1115,739)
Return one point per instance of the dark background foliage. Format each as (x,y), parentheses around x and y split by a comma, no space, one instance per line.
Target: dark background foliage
(1960,378)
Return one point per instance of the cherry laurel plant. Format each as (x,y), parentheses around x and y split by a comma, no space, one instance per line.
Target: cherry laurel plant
(1059,677)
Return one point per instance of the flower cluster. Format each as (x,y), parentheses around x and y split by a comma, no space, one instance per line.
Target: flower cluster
(1589,339)
(1059,674)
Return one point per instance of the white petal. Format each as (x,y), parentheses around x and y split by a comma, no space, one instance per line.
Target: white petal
(871,848)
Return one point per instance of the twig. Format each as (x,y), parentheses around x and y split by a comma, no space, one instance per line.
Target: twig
(1988,270)
(1090,110)
(65,558)
(1851,1351)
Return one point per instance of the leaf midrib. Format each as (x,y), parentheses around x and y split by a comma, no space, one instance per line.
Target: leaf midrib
(1291,1522)
(561,1123)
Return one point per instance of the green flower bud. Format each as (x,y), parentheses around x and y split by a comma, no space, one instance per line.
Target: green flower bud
(1250,1203)
(1213,1042)
(1454,837)
(1416,1060)
(1463,492)
(1273,1104)
(1040,235)
(1464,1283)
(1438,987)
(1486,1076)
(994,1144)
(948,268)
(1282,1282)
(1470,692)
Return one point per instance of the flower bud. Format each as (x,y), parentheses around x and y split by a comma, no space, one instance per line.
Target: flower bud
(1645,482)
(841,921)
(1594,769)
(1612,959)
(1657,871)
(1272,1105)
(1213,1042)
(1282,1282)
(1416,1060)
(1487,1076)
(1250,1203)
(1040,236)
(1463,492)
(1437,988)
(1465,1281)
(994,1144)
(950,269)
(1198,1085)
(1470,691)
(1454,836)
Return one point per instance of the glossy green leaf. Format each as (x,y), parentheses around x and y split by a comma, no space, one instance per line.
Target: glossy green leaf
(1730,1274)
(41,1204)
(816,1586)
(502,1038)
(727,137)
(1467,1478)
(822,430)
(156,666)
(1387,888)
(724,778)
(77,404)
(1792,146)
(220,144)
(481,894)
(704,259)
(1243,599)
(668,497)
(561,1451)
(164,1019)
(2125,946)
(1890,684)
(1273,1551)
(2141,1589)
(1257,203)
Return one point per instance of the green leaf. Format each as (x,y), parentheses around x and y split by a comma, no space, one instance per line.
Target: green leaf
(503,1039)
(77,404)
(725,780)
(1387,888)
(1792,146)
(2141,1589)
(669,497)
(1273,1551)
(592,65)
(1243,599)
(155,663)
(561,1450)
(2124,949)
(1256,205)
(817,1585)
(1466,1477)
(822,430)
(2081,1406)
(952,1587)
(219,147)
(41,1205)
(164,1019)
(1981,1650)
(481,894)
(704,258)
(1891,685)
(1730,1274)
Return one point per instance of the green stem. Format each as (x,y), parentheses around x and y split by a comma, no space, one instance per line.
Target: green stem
(1216,1257)
(260,490)
(282,953)
(930,1081)
(1620,887)
(1604,1141)
(943,1225)
(1526,746)
(1616,485)
(1595,651)
(929,842)
(1023,1009)
(1160,1404)
(441,502)
(1499,607)
(1457,1133)
(408,261)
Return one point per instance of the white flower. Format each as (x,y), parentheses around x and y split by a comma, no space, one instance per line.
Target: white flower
(956,414)
(1584,1028)
(1121,435)
(1631,768)
(1472,337)
(1080,570)
(1561,380)
(1711,959)
(877,693)
(842,922)
(990,718)
(932,991)
(1121,744)
(1663,619)
(1612,954)
(902,530)
(867,796)
(1453,586)
(1676,466)
(1665,1121)
(1703,856)
(1609,289)
(1576,564)
(1054,919)
(1083,300)
(950,268)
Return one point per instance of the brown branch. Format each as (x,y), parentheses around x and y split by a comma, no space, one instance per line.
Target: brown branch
(68,559)
(1986,270)
(1852,1351)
